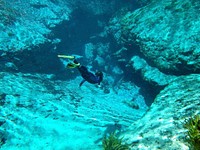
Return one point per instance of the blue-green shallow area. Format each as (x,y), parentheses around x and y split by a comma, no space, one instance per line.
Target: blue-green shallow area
(38,112)
(146,49)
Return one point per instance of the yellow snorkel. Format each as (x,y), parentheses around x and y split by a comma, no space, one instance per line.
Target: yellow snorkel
(66,56)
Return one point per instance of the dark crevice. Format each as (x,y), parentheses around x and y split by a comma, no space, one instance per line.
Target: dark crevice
(147,89)
(183,67)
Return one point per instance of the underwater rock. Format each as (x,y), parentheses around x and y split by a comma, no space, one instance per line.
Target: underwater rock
(8,13)
(89,51)
(166,32)
(28,24)
(162,127)
(11,65)
(46,110)
(100,61)
(132,104)
(97,54)
(117,71)
(150,74)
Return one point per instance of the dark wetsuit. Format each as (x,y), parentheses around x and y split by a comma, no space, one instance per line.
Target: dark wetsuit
(89,76)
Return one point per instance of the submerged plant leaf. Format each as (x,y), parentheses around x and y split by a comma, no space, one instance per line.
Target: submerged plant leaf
(113,143)
(193,134)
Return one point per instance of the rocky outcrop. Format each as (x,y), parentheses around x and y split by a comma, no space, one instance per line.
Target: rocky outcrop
(150,74)
(49,111)
(167,32)
(28,24)
(162,126)
(25,24)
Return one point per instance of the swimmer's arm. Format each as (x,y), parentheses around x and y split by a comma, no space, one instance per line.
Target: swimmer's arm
(81,83)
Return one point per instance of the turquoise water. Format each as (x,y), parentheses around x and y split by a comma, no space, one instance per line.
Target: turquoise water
(147,51)
(40,112)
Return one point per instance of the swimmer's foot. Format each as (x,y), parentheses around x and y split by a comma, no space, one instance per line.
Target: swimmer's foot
(67,57)
(73,65)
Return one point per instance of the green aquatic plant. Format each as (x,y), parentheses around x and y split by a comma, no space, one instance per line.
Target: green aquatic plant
(114,143)
(193,134)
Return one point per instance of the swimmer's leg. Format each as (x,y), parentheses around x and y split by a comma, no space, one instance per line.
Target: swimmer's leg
(74,64)
(75,61)
(70,65)
(83,70)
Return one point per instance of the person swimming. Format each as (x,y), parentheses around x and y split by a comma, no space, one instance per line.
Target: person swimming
(86,75)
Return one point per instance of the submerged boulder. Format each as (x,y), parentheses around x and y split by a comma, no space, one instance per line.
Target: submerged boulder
(167,32)
(27,24)
(162,126)
(150,74)
(49,110)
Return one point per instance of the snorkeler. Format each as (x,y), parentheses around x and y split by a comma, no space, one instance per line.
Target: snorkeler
(87,75)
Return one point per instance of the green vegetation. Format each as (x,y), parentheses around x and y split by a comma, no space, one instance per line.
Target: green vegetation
(114,143)
(193,134)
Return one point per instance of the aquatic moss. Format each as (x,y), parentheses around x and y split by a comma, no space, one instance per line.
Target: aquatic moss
(114,143)
(193,135)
